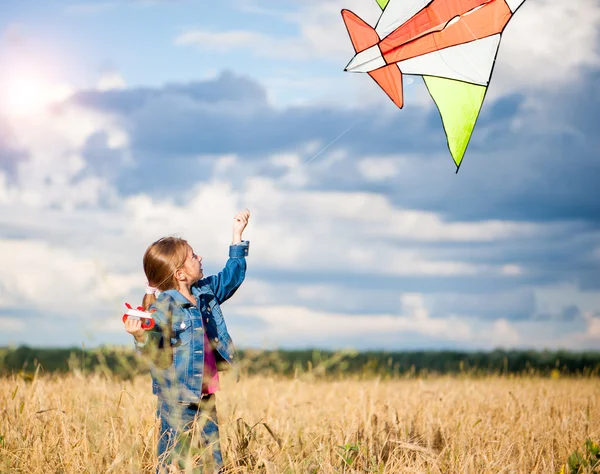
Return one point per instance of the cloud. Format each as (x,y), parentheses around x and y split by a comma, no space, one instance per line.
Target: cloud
(549,43)
(98,7)
(10,325)
(11,154)
(225,90)
(45,154)
(514,169)
(557,300)
(379,169)
(110,81)
(503,334)
(257,43)
(374,229)
(593,326)
(298,326)
(54,281)
(512,305)
(288,325)
(82,8)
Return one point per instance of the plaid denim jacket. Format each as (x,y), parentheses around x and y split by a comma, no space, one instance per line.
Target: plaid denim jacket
(175,346)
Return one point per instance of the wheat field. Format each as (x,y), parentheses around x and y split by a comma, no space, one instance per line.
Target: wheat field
(97,424)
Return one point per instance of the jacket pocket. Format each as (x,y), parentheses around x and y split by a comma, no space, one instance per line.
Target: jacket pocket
(181,334)
(216,313)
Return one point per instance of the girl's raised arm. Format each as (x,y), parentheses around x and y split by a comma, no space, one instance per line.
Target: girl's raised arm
(228,280)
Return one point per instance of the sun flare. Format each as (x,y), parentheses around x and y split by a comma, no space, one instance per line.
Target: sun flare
(26,95)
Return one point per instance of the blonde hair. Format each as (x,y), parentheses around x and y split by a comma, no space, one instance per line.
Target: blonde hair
(161,260)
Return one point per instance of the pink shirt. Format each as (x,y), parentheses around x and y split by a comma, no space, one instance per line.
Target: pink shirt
(210,379)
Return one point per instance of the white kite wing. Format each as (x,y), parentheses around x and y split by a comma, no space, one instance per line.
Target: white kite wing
(470,62)
(396,13)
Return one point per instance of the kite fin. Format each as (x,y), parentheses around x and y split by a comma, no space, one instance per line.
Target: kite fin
(389,79)
(362,35)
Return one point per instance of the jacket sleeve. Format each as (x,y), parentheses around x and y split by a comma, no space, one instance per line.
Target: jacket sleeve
(157,348)
(226,283)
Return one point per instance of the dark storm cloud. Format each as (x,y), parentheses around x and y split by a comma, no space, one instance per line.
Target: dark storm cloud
(516,167)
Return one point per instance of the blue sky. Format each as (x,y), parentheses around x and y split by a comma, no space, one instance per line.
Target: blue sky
(121,122)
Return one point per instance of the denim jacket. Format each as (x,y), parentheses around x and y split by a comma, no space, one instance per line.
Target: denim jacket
(175,346)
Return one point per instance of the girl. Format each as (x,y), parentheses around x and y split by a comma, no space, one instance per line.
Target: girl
(187,342)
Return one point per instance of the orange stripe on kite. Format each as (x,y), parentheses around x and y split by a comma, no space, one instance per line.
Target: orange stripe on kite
(431,18)
(488,20)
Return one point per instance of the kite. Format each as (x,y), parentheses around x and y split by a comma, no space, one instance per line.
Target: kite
(452,44)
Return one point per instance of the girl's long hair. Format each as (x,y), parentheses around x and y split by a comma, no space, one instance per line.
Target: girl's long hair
(161,260)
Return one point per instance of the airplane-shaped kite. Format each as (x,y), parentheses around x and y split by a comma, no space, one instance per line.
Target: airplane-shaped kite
(451,43)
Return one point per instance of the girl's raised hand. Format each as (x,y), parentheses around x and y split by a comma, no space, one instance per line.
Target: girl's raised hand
(240,221)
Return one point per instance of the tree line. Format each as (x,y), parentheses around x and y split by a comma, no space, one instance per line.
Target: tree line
(124,362)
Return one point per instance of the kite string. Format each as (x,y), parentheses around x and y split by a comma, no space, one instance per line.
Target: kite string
(330,143)
(333,141)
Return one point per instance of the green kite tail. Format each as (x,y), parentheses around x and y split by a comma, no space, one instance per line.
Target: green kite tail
(459,104)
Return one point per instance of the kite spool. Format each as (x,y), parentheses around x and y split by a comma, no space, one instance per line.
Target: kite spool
(140,314)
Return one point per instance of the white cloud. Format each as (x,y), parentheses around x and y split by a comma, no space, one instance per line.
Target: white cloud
(55,280)
(295,324)
(81,8)
(111,81)
(547,43)
(99,6)
(261,45)
(286,232)
(296,176)
(287,320)
(378,169)
(223,164)
(512,270)
(375,216)
(502,334)
(53,140)
(292,229)
(593,325)
(36,270)
(9,325)
(287,228)
(559,296)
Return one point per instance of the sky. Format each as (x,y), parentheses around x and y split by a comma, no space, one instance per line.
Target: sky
(125,121)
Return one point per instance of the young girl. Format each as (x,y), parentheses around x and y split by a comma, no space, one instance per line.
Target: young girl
(188,340)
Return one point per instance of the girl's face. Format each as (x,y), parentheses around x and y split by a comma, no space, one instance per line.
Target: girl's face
(193,267)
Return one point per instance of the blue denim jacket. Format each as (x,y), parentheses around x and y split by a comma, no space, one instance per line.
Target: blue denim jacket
(175,346)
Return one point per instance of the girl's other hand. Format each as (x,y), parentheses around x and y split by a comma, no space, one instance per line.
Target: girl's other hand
(134,327)
(240,221)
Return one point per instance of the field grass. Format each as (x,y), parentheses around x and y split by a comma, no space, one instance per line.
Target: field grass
(77,423)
